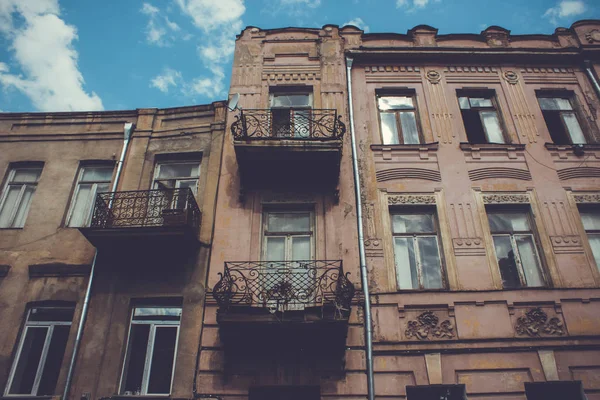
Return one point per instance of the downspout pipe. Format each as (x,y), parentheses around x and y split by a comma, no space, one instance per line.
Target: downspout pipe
(361,243)
(590,74)
(127,130)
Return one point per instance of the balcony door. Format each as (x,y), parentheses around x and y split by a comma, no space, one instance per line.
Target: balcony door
(288,275)
(170,176)
(290,114)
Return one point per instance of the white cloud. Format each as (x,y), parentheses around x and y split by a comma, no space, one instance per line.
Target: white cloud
(158,28)
(413,5)
(169,77)
(212,86)
(42,46)
(359,23)
(304,3)
(210,15)
(565,8)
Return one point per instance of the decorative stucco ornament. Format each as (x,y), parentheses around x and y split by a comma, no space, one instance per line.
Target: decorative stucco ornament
(587,198)
(433,76)
(411,199)
(505,198)
(593,36)
(535,322)
(511,77)
(426,327)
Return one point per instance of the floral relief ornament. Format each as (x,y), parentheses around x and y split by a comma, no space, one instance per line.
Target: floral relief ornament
(535,322)
(505,198)
(593,36)
(587,198)
(411,199)
(511,77)
(433,76)
(426,327)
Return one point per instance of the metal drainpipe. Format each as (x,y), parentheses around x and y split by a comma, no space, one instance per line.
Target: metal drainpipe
(361,243)
(127,129)
(590,73)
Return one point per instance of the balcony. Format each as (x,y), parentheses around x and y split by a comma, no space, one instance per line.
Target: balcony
(288,146)
(164,217)
(280,307)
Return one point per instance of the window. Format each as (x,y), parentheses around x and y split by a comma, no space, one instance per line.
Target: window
(288,236)
(176,175)
(290,113)
(417,250)
(90,181)
(561,120)
(480,116)
(398,115)
(150,359)
(516,249)
(555,390)
(436,392)
(591,224)
(17,194)
(41,349)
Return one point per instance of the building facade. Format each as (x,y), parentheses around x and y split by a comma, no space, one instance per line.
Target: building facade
(147,238)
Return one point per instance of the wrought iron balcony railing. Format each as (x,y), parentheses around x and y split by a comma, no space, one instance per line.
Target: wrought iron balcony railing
(288,123)
(285,285)
(146,208)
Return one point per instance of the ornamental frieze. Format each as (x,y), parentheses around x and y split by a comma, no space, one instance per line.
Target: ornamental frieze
(535,323)
(409,199)
(587,198)
(427,326)
(505,198)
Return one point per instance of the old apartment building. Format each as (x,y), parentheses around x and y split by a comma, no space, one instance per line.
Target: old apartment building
(77,196)
(445,186)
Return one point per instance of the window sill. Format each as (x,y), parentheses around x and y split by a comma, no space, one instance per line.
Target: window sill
(27,397)
(492,146)
(140,396)
(11,229)
(588,146)
(406,147)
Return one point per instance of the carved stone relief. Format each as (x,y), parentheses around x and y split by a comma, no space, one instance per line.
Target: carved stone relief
(535,323)
(593,36)
(511,77)
(433,76)
(505,198)
(411,199)
(427,326)
(587,198)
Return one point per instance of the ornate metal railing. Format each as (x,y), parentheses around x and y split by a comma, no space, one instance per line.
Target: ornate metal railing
(285,285)
(288,123)
(146,208)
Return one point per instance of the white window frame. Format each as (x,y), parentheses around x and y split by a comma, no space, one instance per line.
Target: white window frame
(302,110)
(288,235)
(24,186)
(415,236)
(92,200)
(42,363)
(159,164)
(150,350)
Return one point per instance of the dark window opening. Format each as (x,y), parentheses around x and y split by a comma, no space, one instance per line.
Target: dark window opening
(561,119)
(481,117)
(291,113)
(556,390)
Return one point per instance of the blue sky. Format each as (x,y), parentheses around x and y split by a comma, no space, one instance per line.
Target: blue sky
(70,55)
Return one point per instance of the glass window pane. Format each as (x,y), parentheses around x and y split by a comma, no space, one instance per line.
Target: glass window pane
(409,127)
(595,245)
(29,360)
(480,102)
(290,100)
(464,103)
(54,358)
(49,314)
(82,206)
(413,223)
(288,222)
(507,262)
(529,260)
(301,248)
(491,124)
(179,170)
(508,222)
(94,174)
(574,128)
(23,207)
(102,187)
(275,248)
(591,220)
(431,270)
(554,104)
(157,313)
(163,358)
(395,103)
(136,358)
(389,129)
(406,266)
(9,206)
(27,175)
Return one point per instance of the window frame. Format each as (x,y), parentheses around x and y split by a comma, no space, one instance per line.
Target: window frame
(396,112)
(78,182)
(533,232)
(570,96)
(483,93)
(12,168)
(159,163)
(44,354)
(587,209)
(415,210)
(288,235)
(291,91)
(149,348)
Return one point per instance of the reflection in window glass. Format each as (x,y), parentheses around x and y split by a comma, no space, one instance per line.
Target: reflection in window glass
(91,181)
(561,120)
(481,119)
(16,196)
(398,120)
(591,224)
